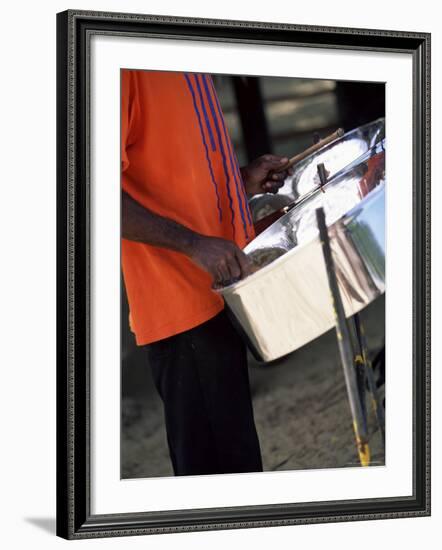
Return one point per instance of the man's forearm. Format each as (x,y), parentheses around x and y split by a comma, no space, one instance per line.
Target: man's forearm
(221,258)
(142,225)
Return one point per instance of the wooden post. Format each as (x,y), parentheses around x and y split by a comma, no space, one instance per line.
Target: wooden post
(255,131)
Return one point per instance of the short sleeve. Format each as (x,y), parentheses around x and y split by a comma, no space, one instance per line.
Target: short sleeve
(129,108)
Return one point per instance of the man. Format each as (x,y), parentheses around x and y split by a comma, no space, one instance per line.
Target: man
(185,219)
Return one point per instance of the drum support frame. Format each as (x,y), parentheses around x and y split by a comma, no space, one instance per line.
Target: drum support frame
(357,368)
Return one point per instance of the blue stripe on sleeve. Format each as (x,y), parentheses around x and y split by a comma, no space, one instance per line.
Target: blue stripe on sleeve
(243,187)
(223,154)
(244,205)
(192,91)
(206,116)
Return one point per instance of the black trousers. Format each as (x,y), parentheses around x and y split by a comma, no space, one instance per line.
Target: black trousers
(202,378)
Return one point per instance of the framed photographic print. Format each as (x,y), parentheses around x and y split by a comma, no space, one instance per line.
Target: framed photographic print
(243,294)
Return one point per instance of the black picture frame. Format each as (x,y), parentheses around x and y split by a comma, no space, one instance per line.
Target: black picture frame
(74,518)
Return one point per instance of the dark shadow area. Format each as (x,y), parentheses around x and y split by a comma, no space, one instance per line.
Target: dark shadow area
(46,524)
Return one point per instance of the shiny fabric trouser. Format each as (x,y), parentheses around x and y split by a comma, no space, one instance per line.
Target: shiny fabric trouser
(202,378)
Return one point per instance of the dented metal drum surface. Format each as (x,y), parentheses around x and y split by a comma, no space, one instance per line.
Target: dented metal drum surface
(286,303)
(337,157)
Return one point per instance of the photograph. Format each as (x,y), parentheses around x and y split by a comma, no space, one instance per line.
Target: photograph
(242,273)
(231,356)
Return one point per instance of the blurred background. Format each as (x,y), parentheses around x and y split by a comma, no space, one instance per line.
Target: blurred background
(281,115)
(300,402)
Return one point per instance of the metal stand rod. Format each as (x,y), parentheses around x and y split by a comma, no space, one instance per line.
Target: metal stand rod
(344,344)
(376,404)
(359,367)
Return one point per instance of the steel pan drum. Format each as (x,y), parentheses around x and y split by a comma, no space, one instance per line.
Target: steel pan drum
(286,303)
(336,157)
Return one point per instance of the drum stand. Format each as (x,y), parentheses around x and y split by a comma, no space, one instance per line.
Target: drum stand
(358,372)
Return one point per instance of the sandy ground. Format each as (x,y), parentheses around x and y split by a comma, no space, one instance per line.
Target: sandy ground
(301,410)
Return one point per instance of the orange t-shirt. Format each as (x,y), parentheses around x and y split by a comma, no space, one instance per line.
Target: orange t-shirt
(178,161)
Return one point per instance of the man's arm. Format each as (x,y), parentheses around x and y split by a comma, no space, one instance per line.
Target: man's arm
(223,259)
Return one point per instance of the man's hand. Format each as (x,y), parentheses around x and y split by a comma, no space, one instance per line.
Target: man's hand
(223,259)
(262,175)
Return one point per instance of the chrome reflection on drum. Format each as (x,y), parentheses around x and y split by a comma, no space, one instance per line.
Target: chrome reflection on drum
(351,148)
(286,303)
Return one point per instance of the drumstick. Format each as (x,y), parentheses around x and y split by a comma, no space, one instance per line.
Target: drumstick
(301,156)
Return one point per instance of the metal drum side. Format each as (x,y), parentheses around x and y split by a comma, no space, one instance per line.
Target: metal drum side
(286,304)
